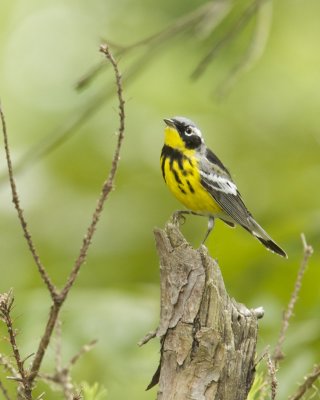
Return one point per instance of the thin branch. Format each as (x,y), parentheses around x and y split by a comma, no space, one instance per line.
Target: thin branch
(309,380)
(15,199)
(272,374)
(44,342)
(6,302)
(108,184)
(307,253)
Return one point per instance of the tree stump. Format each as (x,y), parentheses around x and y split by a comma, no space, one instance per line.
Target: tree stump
(208,340)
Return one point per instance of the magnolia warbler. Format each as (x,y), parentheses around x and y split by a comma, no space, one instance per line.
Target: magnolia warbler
(200,181)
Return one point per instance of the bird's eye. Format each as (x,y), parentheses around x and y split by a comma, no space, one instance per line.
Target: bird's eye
(188,131)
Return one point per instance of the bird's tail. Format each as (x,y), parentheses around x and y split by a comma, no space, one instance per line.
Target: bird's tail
(256,230)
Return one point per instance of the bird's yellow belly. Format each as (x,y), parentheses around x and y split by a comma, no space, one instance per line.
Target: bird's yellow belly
(186,186)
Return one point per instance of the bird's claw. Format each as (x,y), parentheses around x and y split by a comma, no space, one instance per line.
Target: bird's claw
(178,218)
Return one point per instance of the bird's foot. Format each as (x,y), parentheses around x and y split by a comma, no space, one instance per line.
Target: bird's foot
(178,217)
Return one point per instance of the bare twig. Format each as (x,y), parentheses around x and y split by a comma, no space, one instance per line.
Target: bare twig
(15,199)
(309,380)
(272,374)
(44,342)
(108,184)
(307,253)
(6,302)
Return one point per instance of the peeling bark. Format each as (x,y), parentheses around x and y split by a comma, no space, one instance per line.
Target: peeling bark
(208,340)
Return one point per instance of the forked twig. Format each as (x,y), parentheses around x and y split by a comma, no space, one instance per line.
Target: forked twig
(307,253)
(58,297)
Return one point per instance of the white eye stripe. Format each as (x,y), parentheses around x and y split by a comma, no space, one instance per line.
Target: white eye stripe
(189,131)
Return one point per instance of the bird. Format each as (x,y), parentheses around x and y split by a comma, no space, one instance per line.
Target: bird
(201,182)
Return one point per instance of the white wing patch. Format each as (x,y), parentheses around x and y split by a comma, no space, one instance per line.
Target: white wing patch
(220,183)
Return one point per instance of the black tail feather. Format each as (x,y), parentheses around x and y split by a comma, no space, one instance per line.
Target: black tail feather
(257,231)
(271,245)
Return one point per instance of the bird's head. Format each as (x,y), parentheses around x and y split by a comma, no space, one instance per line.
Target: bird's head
(181,133)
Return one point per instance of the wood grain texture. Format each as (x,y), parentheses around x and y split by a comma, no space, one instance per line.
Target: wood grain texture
(208,340)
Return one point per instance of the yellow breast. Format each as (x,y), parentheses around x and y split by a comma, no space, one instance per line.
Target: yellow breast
(181,174)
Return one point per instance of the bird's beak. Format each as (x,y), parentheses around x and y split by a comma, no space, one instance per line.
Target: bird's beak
(169,122)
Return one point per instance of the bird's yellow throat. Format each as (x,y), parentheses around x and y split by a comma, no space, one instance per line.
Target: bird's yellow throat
(173,139)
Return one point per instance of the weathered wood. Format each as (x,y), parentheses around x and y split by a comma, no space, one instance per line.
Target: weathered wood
(208,340)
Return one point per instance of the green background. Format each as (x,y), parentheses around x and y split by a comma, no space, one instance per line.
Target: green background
(266,130)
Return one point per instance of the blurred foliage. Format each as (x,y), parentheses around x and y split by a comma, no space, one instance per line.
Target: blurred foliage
(266,130)
(93,392)
(259,382)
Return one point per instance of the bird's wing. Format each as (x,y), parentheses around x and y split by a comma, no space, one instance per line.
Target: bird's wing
(216,179)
